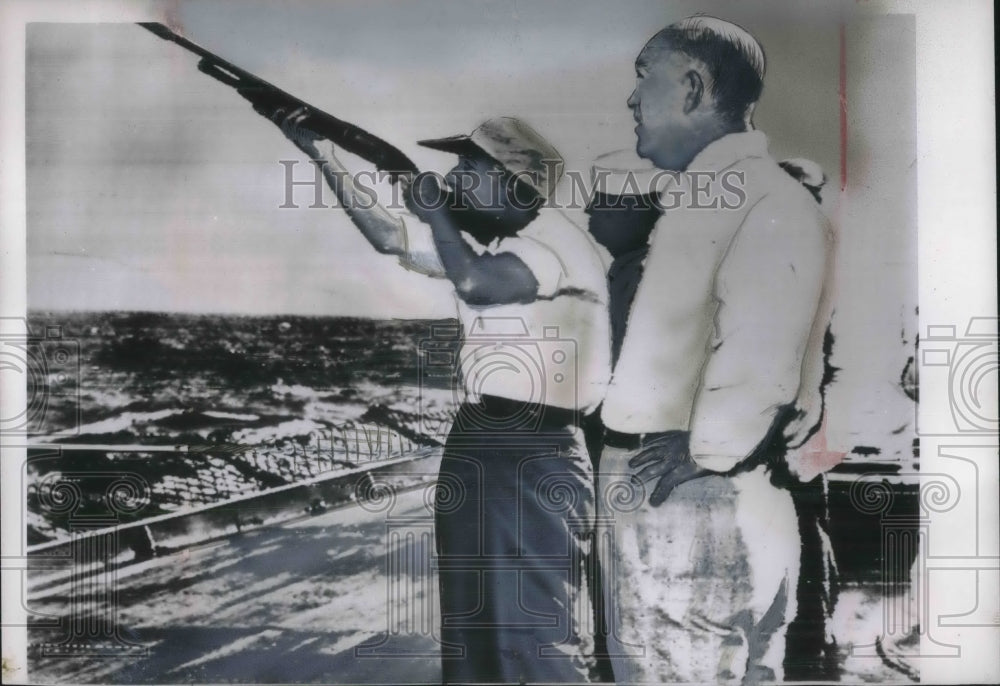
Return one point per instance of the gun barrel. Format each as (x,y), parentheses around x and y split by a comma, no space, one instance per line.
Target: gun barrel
(165,33)
(352,138)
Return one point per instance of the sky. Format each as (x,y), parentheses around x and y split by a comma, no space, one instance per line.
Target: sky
(153,187)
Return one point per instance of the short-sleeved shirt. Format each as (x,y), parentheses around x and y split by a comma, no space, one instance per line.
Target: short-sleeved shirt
(554,350)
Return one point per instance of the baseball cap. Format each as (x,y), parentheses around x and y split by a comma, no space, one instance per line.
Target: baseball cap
(515,145)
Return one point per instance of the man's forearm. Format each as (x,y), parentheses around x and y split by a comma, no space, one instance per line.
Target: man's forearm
(486,279)
(457,256)
(382,230)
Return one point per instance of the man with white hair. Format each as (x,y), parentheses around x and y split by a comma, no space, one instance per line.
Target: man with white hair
(705,397)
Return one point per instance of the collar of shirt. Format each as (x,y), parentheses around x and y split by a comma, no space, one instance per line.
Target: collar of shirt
(718,156)
(724,152)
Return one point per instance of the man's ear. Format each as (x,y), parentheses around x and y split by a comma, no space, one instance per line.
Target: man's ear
(695,91)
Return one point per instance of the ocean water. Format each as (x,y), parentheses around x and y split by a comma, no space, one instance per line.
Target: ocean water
(257,401)
(165,378)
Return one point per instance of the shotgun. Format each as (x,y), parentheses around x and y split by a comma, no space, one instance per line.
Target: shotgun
(267,98)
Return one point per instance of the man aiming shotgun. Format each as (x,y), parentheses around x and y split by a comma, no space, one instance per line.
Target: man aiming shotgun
(522,272)
(511,547)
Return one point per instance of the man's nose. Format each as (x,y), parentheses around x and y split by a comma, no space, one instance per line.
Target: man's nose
(633,100)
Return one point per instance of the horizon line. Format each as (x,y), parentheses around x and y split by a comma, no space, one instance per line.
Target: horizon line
(40,310)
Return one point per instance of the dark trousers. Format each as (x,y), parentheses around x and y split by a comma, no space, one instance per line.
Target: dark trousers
(514,526)
(811,652)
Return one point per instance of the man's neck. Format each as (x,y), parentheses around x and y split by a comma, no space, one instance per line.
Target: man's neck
(712,131)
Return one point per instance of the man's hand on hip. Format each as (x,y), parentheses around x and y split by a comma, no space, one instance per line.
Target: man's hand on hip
(668,459)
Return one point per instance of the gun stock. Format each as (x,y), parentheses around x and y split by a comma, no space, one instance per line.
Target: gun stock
(266,98)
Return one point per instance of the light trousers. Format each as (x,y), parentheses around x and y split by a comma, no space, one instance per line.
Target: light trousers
(701,588)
